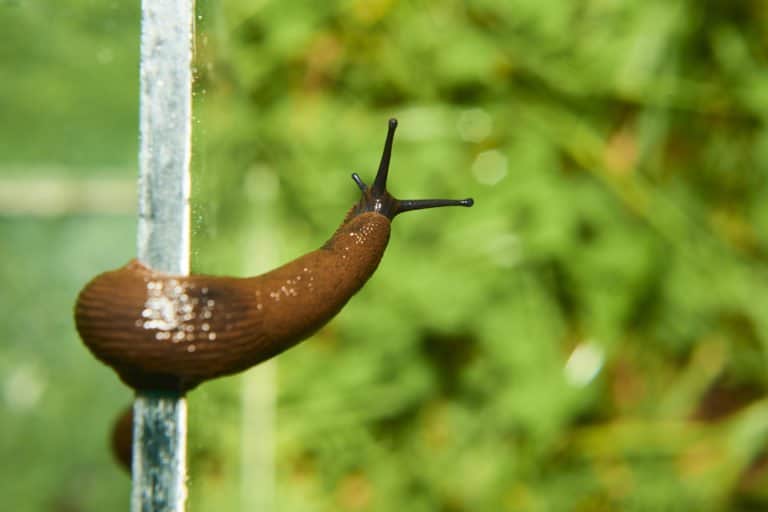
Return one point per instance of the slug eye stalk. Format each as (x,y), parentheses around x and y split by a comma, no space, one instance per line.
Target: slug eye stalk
(378,199)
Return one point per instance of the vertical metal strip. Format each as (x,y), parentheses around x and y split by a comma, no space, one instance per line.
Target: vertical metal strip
(159,452)
(165,125)
(160,418)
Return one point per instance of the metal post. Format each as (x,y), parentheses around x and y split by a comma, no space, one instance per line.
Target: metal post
(160,418)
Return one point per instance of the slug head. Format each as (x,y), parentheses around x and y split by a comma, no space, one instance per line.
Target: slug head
(377,199)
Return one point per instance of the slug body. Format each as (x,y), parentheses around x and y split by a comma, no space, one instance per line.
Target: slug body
(173,332)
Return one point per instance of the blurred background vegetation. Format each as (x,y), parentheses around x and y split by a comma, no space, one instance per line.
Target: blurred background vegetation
(591,336)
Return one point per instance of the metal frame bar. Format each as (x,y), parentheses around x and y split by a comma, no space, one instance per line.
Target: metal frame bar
(160,418)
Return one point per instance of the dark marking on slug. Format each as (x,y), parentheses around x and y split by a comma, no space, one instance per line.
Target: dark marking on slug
(173,332)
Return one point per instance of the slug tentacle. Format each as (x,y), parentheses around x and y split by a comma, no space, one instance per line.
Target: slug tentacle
(174,332)
(378,199)
(380,182)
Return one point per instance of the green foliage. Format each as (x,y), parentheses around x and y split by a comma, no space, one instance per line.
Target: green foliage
(56,404)
(69,89)
(591,336)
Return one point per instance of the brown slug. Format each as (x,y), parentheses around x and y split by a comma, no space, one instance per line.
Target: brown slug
(169,332)
(121,440)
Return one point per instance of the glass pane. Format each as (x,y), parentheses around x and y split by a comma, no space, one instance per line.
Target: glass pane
(590,336)
(565,344)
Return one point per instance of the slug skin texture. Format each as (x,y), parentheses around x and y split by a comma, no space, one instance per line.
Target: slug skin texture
(167,332)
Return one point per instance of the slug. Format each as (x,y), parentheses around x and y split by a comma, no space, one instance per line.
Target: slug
(168,332)
(121,440)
